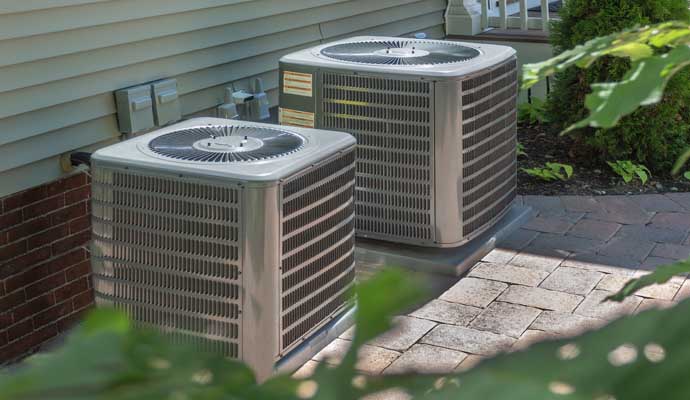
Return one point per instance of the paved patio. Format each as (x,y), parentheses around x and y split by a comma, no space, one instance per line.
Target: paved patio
(547,280)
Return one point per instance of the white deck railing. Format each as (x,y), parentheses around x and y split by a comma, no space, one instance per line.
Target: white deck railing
(515,15)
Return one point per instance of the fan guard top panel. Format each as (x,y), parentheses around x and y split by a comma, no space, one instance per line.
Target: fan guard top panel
(400,52)
(226,144)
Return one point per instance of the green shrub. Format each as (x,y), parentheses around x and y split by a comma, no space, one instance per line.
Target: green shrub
(532,113)
(654,135)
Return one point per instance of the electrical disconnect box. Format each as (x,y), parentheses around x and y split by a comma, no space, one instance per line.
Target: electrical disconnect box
(140,108)
(166,103)
(134,109)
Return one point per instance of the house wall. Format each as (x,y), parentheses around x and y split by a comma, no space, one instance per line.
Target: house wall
(61,60)
(45,276)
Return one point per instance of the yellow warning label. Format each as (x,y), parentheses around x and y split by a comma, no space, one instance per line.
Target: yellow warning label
(287,116)
(297,83)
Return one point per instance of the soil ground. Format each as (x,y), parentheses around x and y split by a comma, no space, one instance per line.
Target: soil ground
(589,178)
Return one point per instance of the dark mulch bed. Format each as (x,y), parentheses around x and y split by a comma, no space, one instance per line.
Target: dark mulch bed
(589,178)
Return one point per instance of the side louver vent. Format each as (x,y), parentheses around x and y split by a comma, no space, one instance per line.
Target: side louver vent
(317,248)
(169,255)
(392,121)
(489,141)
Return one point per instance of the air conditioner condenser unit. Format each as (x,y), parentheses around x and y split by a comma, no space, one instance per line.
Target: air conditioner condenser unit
(234,235)
(435,123)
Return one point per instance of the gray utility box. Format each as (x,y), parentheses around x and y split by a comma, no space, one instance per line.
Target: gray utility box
(166,102)
(134,109)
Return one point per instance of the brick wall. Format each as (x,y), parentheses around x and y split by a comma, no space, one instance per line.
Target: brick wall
(45,282)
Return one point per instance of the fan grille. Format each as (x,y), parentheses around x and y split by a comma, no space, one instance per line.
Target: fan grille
(226,144)
(400,52)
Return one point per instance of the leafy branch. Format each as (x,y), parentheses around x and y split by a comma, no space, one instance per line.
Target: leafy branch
(657,53)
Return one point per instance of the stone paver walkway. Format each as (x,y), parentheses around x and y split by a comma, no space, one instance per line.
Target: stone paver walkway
(545,281)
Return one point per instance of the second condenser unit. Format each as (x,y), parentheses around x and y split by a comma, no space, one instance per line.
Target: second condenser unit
(435,123)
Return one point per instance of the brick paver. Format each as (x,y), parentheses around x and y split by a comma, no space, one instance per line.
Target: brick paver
(572,280)
(649,304)
(656,203)
(665,291)
(509,274)
(566,243)
(373,360)
(474,292)
(541,298)
(602,263)
(531,337)
(500,256)
(594,306)
(593,229)
(651,234)
(565,323)
(468,340)
(426,359)
(684,292)
(672,251)
(545,281)
(683,199)
(518,240)
(535,259)
(625,248)
(669,220)
(505,319)
(549,224)
(651,263)
(622,210)
(406,332)
(581,204)
(470,362)
(545,205)
(447,312)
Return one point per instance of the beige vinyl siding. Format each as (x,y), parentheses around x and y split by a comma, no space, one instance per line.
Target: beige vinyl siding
(61,60)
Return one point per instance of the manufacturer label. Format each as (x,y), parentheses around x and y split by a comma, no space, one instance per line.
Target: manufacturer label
(297,83)
(287,116)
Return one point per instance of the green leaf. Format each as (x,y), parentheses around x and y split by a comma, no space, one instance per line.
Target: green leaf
(661,274)
(106,359)
(521,150)
(634,51)
(565,167)
(631,43)
(104,320)
(687,175)
(680,163)
(551,172)
(628,170)
(644,84)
